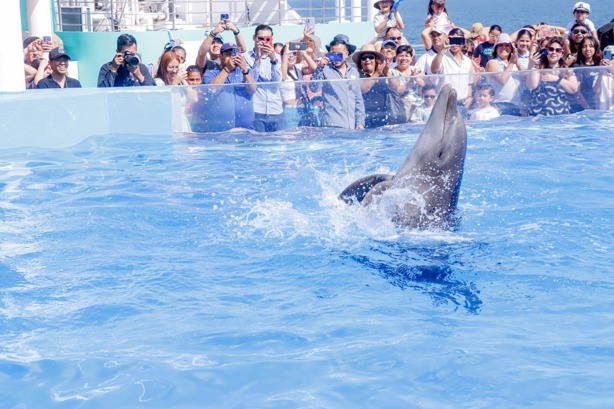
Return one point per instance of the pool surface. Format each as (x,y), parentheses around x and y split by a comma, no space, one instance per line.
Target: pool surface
(221,271)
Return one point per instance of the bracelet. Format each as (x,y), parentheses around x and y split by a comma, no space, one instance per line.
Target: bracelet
(236,32)
(212,34)
(227,70)
(273,62)
(245,73)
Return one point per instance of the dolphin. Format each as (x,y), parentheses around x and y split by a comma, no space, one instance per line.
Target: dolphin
(432,171)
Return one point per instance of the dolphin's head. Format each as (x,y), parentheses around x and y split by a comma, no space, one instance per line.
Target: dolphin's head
(443,142)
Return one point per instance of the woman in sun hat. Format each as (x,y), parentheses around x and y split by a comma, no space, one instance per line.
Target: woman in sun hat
(385,19)
(370,64)
(504,62)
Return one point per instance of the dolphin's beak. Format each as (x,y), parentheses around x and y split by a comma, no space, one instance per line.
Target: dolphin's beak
(443,112)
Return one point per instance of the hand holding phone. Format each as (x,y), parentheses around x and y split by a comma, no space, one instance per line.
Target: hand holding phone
(457,40)
(311,24)
(301,46)
(224,17)
(607,54)
(334,57)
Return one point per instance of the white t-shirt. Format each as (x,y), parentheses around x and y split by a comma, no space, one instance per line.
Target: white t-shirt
(450,68)
(441,20)
(379,19)
(589,23)
(484,114)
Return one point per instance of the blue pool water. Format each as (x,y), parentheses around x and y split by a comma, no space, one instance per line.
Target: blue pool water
(221,271)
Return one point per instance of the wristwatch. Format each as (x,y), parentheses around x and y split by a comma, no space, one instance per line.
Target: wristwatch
(236,32)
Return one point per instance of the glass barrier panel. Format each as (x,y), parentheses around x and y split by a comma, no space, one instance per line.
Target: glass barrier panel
(395,99)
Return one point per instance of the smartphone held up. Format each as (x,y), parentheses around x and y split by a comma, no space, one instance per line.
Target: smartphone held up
(334,57)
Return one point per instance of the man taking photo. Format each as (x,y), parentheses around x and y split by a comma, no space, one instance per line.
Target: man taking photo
(126,69)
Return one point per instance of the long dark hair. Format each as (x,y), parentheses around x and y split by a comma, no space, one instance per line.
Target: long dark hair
(581,59)
(543,61)
(430,11)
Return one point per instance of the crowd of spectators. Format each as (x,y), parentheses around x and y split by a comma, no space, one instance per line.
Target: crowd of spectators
(275,85)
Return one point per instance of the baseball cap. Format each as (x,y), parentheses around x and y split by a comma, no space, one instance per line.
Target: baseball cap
(438,29)
(226,47)
(57,52)
(389,42)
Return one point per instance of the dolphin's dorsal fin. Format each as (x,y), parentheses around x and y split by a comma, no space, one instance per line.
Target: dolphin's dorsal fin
(357,191)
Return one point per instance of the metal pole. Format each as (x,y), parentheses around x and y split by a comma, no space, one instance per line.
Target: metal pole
(59,11)
(172,11)
(12,78)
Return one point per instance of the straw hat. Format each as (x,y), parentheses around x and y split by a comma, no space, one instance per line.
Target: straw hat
(367,49)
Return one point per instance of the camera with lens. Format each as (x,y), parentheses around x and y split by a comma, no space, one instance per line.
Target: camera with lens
(131,59)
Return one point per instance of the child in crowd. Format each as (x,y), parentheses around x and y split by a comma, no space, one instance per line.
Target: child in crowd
(195,76)
(385,19)
(581,10)
(438,15)
(423,112)
(484,111)
(477,34)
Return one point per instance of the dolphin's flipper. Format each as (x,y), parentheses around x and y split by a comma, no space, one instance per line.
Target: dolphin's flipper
(357,191)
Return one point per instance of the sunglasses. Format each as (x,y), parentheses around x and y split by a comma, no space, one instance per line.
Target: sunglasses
(555,50)
(395,38)
(367,57)
(429,96)
(467,52)
(578,31)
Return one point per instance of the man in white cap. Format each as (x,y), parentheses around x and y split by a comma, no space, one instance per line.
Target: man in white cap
(581,10)
(58,60)
(437,38)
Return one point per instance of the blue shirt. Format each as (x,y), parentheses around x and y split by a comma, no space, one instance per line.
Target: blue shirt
(343,103)
(267,99)
(227,106)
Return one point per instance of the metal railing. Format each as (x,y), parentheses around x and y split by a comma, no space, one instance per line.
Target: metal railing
(141,15)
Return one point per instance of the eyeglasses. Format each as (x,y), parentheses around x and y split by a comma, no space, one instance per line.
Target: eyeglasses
(429,96)
(578,31)
(555,50)
(61,62)
(395,38)
(367,57)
